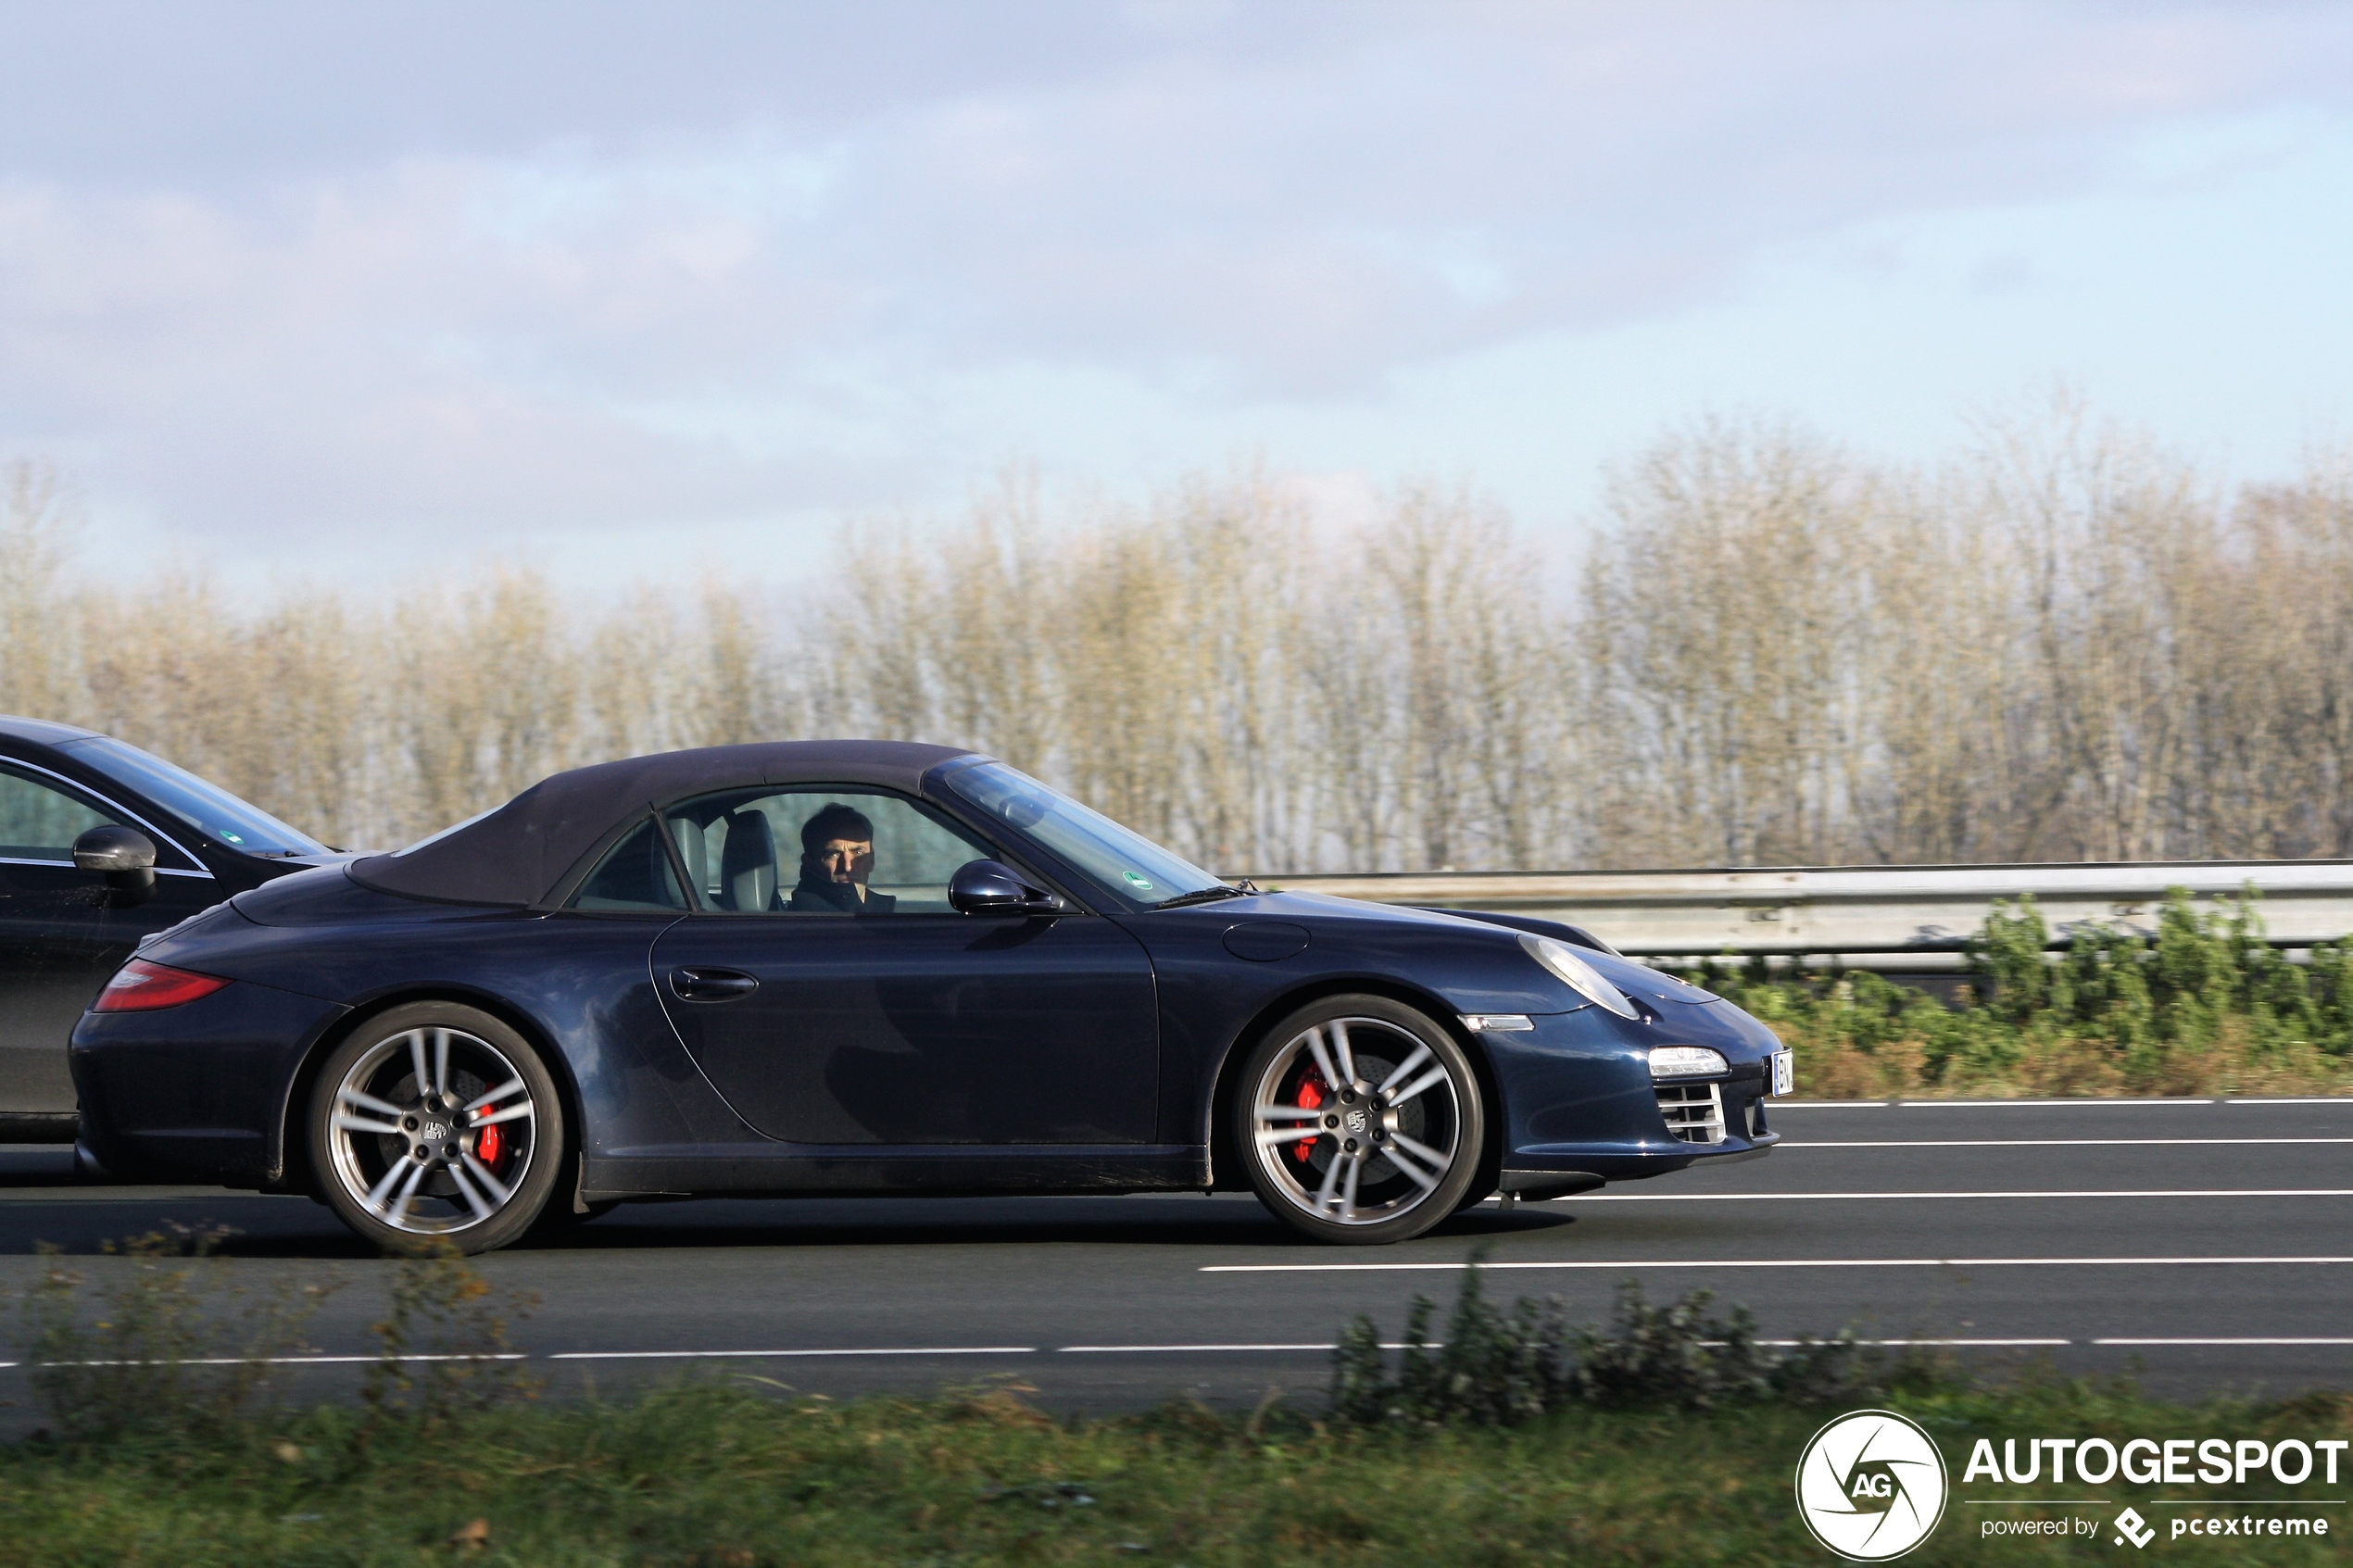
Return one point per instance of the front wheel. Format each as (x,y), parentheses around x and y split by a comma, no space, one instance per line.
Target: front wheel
(436,1122)
(1360,1121)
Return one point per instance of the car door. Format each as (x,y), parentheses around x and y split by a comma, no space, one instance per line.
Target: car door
(861,1009)
(61,933)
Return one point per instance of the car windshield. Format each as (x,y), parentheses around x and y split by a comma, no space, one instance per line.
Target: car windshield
(1126,864)
(207,806)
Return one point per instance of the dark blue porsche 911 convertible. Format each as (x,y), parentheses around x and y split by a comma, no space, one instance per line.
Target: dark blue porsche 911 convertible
(870,967)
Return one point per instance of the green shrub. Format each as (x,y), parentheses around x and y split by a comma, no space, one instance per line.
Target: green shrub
(444,1350)
(1502,1367)
(164,1343)
(2205,1004)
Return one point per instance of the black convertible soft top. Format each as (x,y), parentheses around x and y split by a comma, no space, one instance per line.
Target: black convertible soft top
(516,853)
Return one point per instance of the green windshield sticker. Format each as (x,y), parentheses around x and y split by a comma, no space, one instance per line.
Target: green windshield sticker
(1136,880)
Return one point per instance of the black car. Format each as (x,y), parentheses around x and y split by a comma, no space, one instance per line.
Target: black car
(871,967)
(156,845)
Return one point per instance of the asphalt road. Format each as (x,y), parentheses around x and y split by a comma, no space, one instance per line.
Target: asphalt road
(2206,1244)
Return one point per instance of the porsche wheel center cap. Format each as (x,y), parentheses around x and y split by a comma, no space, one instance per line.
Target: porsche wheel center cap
(432,1132)
(1355,1121)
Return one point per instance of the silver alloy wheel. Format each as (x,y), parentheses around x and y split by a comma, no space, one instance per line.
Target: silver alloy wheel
(1363,1109)
(433,1131)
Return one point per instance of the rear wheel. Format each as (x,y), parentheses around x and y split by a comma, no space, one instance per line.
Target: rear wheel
(436,1122)
(1360,1120)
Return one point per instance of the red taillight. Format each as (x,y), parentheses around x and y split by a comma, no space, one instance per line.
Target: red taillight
(141,986)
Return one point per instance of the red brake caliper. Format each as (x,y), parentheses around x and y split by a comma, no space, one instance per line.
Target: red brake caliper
(486,1144)
(1312,1093)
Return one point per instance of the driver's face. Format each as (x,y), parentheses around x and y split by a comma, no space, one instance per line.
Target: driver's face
(848,861)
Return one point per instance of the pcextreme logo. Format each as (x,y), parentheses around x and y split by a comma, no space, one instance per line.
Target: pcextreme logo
(1871,1485)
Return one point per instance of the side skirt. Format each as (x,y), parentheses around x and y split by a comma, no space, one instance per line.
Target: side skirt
(39,1126)
(680,1169)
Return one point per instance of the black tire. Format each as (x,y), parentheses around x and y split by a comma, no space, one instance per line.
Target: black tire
(1404,1078)
(464,1089)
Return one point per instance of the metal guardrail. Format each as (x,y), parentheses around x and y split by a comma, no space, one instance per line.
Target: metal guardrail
(1894,918)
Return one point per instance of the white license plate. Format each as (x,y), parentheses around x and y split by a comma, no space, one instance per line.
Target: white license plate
(1784,1072)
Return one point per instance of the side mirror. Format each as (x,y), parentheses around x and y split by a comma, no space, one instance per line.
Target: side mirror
(991,887)
(125,856)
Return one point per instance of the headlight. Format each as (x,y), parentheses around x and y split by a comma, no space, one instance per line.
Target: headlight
(1684,1062)
(1576,973)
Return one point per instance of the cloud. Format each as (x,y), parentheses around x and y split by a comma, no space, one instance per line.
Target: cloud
(608,266)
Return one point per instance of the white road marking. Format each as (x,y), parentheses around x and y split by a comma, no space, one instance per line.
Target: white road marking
(2044,1143)
(1789,1196)
(291,1361)
(716,1355)
(2030,1104)
(1158,1350)
(1178,1349)
(2222,1341)
(2045,1104)
(2306,1343)
(1639,1263)
(1907,1344)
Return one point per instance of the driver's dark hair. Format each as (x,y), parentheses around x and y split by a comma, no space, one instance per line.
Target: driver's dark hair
(836,821)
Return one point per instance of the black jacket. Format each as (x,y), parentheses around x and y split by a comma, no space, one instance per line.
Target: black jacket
(822,895)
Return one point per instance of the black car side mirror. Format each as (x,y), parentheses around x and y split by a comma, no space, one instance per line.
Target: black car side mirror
(125,856)
(991,887)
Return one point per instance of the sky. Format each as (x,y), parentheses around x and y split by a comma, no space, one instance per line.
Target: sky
(656,292)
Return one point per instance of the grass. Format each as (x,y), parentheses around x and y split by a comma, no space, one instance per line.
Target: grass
(1668,1436)
(2205,1005)
(728,1474)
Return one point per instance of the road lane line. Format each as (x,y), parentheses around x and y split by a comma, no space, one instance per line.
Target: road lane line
(1908,1344)
(720,1355)
(295,1361)
(1637,1263)
(2034,1104)
(1173,1349)
(2046,1143)
(2222,1341)
(1435,1343)
(1181,1349)
(1784,1197)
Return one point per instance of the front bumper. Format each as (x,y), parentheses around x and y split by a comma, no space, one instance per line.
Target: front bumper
(1578,1098)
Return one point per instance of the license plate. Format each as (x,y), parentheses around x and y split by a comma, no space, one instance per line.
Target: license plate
(1784,1072)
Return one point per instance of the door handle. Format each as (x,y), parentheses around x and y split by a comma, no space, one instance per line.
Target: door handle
(711,985)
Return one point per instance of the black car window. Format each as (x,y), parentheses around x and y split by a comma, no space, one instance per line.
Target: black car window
(1121,861)
(798,851)
(634,875)
(38,823)
(238,823)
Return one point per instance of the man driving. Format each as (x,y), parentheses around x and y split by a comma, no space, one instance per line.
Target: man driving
(837,859)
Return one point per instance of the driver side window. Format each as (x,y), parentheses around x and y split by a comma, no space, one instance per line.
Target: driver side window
(40,824)
(818,852)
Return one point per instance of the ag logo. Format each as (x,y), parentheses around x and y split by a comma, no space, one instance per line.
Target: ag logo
(1870,1485)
